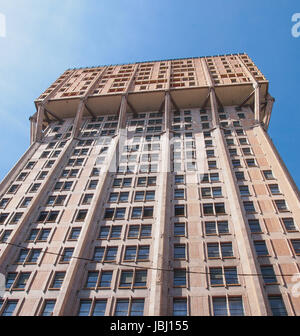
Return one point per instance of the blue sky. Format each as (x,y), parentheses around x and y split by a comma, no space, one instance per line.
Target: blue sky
(43,38)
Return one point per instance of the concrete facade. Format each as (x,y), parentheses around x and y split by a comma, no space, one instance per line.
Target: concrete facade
(152,189)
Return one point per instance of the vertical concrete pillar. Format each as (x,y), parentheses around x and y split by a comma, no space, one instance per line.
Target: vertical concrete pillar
(249,264)
(67,294)
(78,119)
(39,124)
(158,298)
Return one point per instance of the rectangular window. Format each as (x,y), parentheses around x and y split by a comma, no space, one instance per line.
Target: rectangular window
(179,251)
(58,280)
(225,306)
(268,275)
(179,279)
(289,224)
(9,308)
(274,188)
(281,205)
(254,226)
(48,308)
(249,207)
(277,305)
(180,307)
(105,279)
(296,246)
(261,248)
(67,254)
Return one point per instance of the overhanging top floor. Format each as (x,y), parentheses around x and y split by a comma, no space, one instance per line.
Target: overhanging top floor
(145,83)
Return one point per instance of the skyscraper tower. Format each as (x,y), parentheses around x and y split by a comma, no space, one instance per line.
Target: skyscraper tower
(152,189)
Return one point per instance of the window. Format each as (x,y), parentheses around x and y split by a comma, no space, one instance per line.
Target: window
(289,224)
(277,305)
(244,190)
(122,182)
(133,279)
(5,236)
(210,209)
(139,231)
(56,200)
(63,186)
(67,255)
(137,253)
(10,279)
(240,176)
(219,250)
(261,248)
(74,234)
(215,228)
(212,164)
(249,207)
(179,194)
(86,308)
(105,279)
(143,196)
(48,308)
(142,212)
(179,210)
(14,188)
(114,213)
(268,275)
(57,280)
(48,216)
(251,163)
(225,306)
(236,163)
(243,141)
(3,217)
(28,256)
(81,215)
(268,174)
(42,175)
(146,181)
(126,307)
(180,307)
(95,281)
(30,165)
(92,184)
(232,151)
(179,229)
(22,177)
(35,187)
(110,254)
(16,218)
(254,226)
(21,281)
(296,246)
(220,276)
(179,279)
(9,308)
(274,189)
(26,202)
(4,202)
(281,205)
(87,199)
(179,251)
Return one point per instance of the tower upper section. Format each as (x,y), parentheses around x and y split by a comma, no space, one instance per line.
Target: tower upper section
(233,76)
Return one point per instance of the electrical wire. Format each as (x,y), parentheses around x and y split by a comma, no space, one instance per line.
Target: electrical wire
(158,269)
